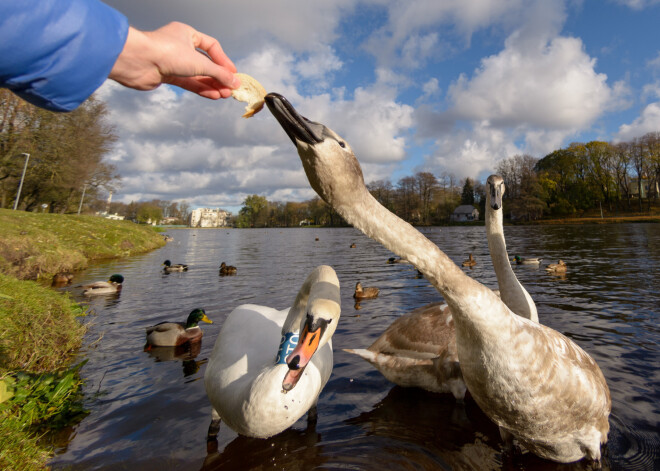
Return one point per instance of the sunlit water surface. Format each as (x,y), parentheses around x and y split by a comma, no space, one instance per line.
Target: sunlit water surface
(150,411)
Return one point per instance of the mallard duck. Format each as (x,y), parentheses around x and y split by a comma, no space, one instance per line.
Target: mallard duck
(364,293)
(268,367)
(505,360)
(526,261)
(171,268)
(172,334)
(113,285)
(62,278)
(226,270)
(559,267)
(470,262)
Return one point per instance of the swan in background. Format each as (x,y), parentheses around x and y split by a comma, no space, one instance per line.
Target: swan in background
(112,286)
(419,348)
(169,267)
(365,293)
(526,261)
(172,334)
(511,291)
(536,384)
(268,367)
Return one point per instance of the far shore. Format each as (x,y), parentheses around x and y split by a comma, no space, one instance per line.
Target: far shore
(572,221)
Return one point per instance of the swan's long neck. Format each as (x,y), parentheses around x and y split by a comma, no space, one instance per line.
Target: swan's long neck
(511,291)
(466,297)
(320,288)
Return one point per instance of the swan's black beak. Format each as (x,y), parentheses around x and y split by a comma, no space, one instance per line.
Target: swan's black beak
(297,127)
(308,343)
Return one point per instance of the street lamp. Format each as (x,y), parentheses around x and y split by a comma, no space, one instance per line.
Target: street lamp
(20,186)
(82,198)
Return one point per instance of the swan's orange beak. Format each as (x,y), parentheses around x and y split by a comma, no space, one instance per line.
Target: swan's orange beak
(302,354)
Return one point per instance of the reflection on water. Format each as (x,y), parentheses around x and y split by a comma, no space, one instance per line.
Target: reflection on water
(148,410)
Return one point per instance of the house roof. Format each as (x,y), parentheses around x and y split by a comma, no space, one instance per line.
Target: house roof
(465,209)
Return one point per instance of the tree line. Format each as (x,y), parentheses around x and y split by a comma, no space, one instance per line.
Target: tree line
(580,179)
(66,169)
(66,152)
(154,211)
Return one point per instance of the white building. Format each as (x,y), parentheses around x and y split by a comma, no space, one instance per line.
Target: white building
(465,213)
(208,217)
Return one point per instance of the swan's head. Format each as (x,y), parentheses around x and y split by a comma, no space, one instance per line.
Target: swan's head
(495,191)
(317,327)
(330,165)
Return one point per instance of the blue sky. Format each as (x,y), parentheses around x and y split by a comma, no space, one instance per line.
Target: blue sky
(449,87)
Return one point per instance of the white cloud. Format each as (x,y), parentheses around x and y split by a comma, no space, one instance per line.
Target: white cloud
(529,98)
(637,4)
(648,121)
(553,85)
(421,30)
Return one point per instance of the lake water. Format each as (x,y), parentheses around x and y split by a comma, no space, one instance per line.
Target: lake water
(151,413)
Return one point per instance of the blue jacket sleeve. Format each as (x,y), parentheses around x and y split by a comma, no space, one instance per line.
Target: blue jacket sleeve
(56,53)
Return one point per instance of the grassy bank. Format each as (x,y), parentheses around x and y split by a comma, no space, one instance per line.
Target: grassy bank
(39,333)
(39,329)
(34,245)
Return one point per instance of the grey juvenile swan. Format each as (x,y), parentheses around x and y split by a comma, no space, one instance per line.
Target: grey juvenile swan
(533,382)
(511,291)
(419,348)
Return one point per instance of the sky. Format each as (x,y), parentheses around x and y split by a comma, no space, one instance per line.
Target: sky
(440,86)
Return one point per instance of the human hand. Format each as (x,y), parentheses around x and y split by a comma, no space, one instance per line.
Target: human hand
(170,55)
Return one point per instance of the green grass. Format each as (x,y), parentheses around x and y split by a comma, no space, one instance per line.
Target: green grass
(38,245)
(39,331)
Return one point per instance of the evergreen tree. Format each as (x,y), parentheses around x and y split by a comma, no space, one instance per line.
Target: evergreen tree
(467,196)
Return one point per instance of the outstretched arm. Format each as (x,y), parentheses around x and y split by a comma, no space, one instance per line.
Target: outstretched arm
(179,55)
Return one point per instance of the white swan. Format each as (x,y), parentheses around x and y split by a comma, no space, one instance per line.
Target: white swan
(536,384)
(511,291)
(268,367)
(419,348)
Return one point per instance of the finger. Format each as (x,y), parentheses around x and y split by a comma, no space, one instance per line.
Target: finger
(203,86)
(214,50)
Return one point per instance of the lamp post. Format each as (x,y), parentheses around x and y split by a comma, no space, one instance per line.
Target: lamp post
(82,198)
(20,186)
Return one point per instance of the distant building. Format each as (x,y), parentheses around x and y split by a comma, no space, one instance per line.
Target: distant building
(207,217)
(465,213)
(116,217)
(649,189)
(169,220)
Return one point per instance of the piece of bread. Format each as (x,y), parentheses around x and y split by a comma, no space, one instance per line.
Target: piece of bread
(251,92)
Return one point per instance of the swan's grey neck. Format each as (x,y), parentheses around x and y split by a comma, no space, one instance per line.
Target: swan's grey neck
(512,292)
(459,290)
